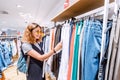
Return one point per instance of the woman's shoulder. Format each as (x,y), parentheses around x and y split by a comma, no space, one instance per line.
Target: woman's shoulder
(26,47)
(26,44)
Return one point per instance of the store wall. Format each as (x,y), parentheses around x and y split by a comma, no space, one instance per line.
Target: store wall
(56,10)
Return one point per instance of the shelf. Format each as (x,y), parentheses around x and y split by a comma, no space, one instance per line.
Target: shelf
(79,7)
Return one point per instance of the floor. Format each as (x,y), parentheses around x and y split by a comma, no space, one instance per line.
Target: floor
(11,73)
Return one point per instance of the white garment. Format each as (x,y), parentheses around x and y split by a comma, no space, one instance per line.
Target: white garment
(47,40)
(65,35)
(18,46)
(46,67)
(49,61)
(14,48)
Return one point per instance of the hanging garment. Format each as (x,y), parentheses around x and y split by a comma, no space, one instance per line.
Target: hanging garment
(10,50)
(46,67)
(2,62)
(112,51)
(110,47)
(51,46)
(18,46)
(14,48)
(116,75)
(79,26)
(72,24)
(57,57)
(117,46)
(46,41)
(65,52)
(80,54)
(52,38)
(91,49)
(103,61)
(71,53)
(6,53)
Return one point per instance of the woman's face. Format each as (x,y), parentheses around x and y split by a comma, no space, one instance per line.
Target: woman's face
(36,33)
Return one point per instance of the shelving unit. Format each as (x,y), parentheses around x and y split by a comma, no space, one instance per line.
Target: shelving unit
(77,8)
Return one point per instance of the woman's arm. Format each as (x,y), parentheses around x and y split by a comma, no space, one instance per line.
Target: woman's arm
(40,57)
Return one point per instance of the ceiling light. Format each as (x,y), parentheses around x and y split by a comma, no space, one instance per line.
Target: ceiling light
(26,15)
(19,6)
(3,12)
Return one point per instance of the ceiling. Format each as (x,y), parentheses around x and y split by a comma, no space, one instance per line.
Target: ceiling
(16,14)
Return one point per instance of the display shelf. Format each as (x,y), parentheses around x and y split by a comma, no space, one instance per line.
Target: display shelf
(77,8)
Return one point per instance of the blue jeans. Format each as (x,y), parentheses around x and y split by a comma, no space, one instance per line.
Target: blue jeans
(91,49)
(102,65)
(2,60)
(6,53)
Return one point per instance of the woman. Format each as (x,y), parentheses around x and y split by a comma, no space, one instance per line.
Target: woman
(32,36)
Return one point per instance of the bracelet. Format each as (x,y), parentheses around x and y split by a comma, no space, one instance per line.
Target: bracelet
(54,51)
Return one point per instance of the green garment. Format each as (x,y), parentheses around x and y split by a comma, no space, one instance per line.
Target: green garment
(79,26)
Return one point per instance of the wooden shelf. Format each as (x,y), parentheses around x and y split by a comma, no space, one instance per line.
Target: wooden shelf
(79,7)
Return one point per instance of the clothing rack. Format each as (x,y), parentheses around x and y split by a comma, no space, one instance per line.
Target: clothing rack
(95,12)
(8,37)
(104,11)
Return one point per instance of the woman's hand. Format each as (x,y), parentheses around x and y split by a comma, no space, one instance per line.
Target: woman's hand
(58,47)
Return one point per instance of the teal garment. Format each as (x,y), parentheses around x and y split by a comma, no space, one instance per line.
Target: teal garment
(79,26)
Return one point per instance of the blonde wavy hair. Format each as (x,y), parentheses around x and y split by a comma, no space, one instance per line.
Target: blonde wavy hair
(28,37)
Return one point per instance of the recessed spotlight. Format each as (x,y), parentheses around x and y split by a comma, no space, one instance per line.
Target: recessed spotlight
(3,12)
(19,6)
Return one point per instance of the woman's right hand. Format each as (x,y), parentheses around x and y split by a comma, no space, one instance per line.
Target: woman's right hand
(57,47)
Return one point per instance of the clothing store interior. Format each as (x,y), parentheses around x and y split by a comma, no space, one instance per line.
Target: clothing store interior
(60,39)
